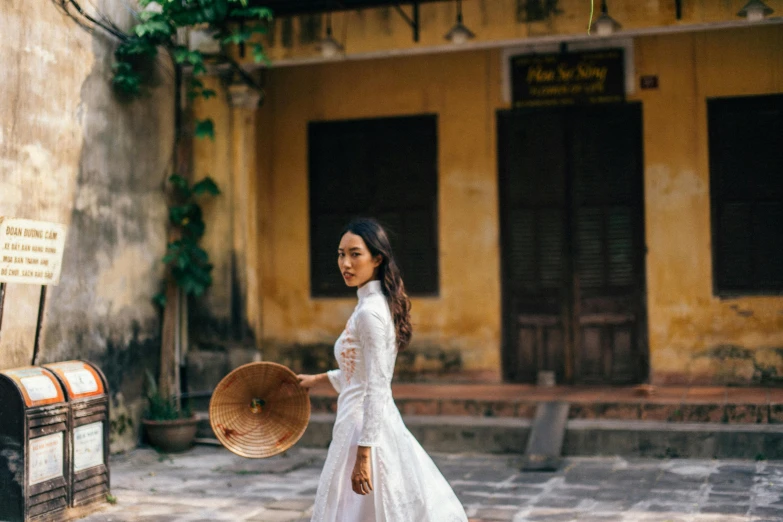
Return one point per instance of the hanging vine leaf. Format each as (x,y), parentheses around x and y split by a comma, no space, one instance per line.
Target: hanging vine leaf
(238,37)
(159,299)
(158,28)
(135,46)
(196,228)
(188,263)
(126,80)
(183,55)
(199,68)
(195,58)
(259,55)
(205,129)
(178,181)
(206,186)
(179,215)
(154,29)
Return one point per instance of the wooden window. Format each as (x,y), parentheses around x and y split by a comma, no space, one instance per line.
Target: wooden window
(384,168)
(746,188)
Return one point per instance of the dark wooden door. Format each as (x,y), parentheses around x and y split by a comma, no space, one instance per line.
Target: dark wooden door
(573,244)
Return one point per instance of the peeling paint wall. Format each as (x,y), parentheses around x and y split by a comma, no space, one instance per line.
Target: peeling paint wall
(694,336)
(70,152)
(463,322)
(228,316)
(212,317)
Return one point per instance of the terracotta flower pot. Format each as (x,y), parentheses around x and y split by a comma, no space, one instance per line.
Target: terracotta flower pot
(171,436)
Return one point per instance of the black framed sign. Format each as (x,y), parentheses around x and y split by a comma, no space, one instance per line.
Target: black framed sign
(575,78)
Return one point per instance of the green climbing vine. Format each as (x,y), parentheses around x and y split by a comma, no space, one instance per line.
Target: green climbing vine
(229,22)
(187,261)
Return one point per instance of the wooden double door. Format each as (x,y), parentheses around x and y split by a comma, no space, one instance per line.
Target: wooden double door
(572,244)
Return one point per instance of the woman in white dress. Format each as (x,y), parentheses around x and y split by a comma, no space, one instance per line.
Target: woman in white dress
(375,470)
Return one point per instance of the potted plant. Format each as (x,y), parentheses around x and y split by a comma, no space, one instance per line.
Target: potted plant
(170,428)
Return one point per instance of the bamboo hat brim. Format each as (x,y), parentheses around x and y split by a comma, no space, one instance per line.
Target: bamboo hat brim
(259,410)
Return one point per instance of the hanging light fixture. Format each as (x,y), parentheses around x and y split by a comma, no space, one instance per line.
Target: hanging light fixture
(329,47)
(755,11)
(459,34)
(605,24)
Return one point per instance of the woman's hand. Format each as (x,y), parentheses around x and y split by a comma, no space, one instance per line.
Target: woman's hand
(309,381)
(361,477)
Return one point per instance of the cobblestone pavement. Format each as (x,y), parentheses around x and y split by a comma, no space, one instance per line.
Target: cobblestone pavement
(211,484)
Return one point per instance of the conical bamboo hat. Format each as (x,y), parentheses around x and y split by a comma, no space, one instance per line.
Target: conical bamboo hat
(259,410)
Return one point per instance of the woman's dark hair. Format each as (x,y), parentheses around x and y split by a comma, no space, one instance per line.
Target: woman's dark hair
(377,242)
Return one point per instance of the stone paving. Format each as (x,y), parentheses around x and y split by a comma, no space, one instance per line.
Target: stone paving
(209,484)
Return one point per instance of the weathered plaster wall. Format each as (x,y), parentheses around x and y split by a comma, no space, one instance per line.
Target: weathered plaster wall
(40,139)
(694,336)
(223,323)
(228,313)
(71,152)
(462,324)
(212,318)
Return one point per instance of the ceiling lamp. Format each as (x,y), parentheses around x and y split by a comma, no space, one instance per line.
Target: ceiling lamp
(459,34)
(755,11)
(329,47)
(605,24)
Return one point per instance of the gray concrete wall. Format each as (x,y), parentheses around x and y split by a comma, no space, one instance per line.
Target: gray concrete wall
(71,152)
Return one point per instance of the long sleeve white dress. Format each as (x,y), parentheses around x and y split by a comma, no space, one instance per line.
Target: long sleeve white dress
(407,486)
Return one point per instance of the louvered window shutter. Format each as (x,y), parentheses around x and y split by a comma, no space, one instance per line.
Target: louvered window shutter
(536,185)
(384,168)
(605,200)
(746,188)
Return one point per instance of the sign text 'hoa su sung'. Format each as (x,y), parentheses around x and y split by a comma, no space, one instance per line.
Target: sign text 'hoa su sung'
(581,78)
(31,251)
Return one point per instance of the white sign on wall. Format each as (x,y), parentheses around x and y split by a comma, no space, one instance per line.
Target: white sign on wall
(31,251)
(87,446)
(81,381)
(39,387)
(46,458)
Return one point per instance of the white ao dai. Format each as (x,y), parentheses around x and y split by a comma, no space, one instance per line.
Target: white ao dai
(407,486)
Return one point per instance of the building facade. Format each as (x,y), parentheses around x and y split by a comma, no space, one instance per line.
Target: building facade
(610,243)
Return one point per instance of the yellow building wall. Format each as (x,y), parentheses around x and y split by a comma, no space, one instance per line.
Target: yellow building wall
(463,91)
(691,332)
(694,335)
(383,30)
(213,158)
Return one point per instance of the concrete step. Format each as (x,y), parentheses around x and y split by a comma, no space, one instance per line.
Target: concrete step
(695,404)
(688,405)
(584,437)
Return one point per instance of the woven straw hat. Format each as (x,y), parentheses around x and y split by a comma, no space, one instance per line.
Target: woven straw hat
(259,410)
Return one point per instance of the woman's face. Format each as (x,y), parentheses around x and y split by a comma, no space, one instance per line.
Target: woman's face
(357,265)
